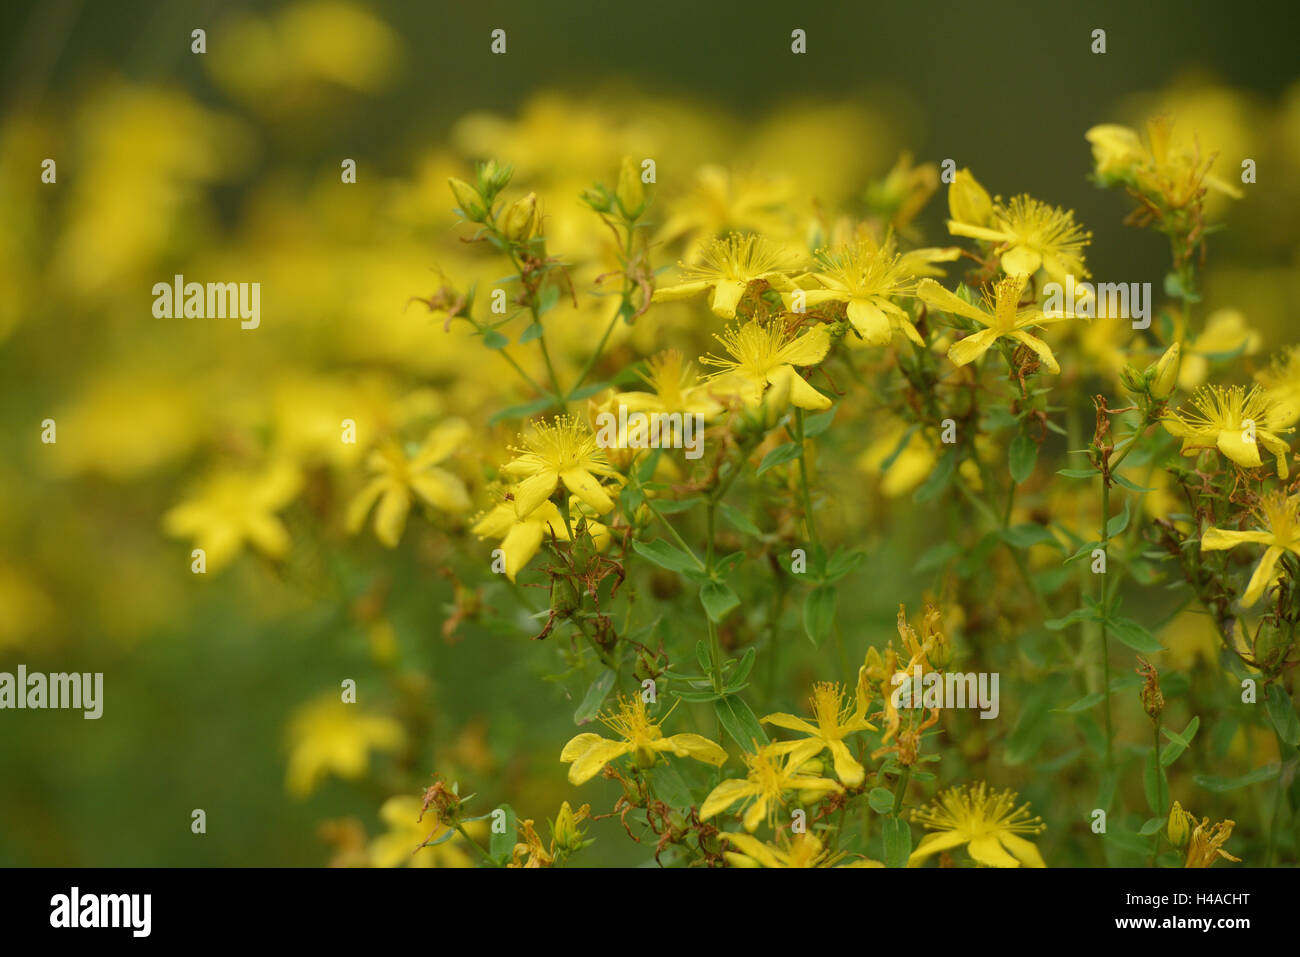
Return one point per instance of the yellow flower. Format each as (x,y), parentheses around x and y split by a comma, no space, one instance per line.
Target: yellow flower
(802,851)
(1160,167)
(522,537)
(530,852)
(968,201)
(1001,316)
(567,835)
(988,823)
(328,736)
(402,844)
(1281,382)
(908,467)
(1205,846)
(565,451)
(1115,149)
(766,354)
(1179,826)
(723,201)
(866,277)
(1032,236)
(233,508)
(1278,516)
(1234,421)
(763,788)
(833,721)
(400,479)
(728,266)
(641,737)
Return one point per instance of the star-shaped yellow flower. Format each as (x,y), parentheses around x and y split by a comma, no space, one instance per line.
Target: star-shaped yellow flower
(522,537)
(987,822)
(1031,235)
(833,721)
(867,277)
(804,850)
(759,355)
(762,790)
(1278,517)
(1234,421)
(727,267)
(1001,316)
(564,450)
(640,737)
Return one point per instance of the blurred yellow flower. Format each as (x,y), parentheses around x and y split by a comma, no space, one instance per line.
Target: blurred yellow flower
(402,844)
(327,736)
(1226,334)
(1278,518)
(401,479)
(233,508)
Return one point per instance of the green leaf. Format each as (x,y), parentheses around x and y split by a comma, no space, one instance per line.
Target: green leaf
(522,411)
(743,668)
(1181,742)
(815,425)
(702,657)
(594,697)
(1117,523)
(881,800)
(898,841)
(674,506)
(533,331)
(1029,534)
(1077,473)
(502,844)
(718,600)
(494,340)
(938,479)
(1022,457)
(1152,825)
(937,557)
(1212,782)
(666,556)
(1134,635)
(778,456)
(1282,714)
(549,297)
(739,520)
(588,390)
(739,722)
(819,614)
(1154,783)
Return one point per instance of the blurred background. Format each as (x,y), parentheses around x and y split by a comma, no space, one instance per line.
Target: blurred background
(226,166)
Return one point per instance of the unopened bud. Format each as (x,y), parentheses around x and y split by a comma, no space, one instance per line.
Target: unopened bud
(968,201)
(1166,374)
(631,193)
(1179,826)
(519,224)
(467,197)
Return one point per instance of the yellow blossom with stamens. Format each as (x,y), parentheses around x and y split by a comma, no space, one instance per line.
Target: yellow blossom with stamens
(867,278)
(804,850)
(762,790)
(1233,420)
(1278,517)
(1174,171)
(563,450)
(1031,236)
(988,822)
(676,387)
(727,267)
(1205,846)
(766,354)
(833,721)
(1001,316)
(401,479)
(1226,333)
(1281,383)
(522,537)
(640,737)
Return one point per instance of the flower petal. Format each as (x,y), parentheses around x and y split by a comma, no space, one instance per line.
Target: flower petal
(933,843)
(967,350)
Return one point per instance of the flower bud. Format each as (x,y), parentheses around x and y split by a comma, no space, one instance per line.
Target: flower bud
(493,178)
(567,834)
(968,201)
(519,224)
(597,197)
(1166,374)
(1133,381)
(471,204)
(631,193)
(1179,826)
